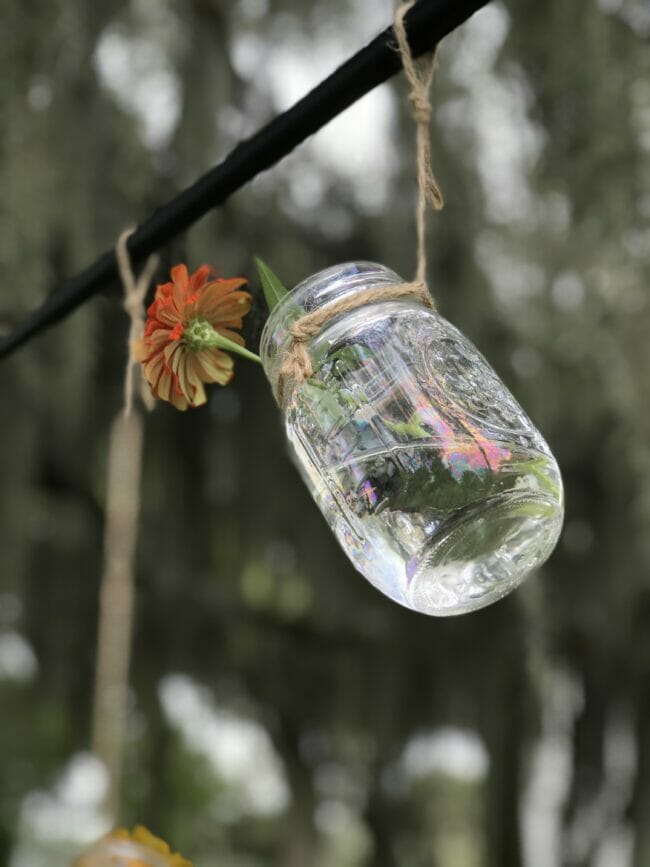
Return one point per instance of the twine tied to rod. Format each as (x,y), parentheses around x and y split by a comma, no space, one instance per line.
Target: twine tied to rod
(420,77)
(135,291)
(297,365)
(116,600)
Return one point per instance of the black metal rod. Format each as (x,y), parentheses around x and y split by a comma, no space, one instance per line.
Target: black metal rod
(427,22)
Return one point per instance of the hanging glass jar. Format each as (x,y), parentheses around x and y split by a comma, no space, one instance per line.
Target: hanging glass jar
(435,482)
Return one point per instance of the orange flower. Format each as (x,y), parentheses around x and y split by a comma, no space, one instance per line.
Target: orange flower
(139,848)
(189,324)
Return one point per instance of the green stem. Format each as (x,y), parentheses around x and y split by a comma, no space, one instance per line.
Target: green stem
(199,334)
(223,343)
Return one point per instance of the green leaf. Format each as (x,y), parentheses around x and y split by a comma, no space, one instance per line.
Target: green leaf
(274,289)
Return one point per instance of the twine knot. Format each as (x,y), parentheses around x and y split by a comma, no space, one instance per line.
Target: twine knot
(133,306)
(420,77)
(420,107)
(135,291)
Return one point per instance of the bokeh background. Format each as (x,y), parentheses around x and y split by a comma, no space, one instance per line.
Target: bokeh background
(281,711)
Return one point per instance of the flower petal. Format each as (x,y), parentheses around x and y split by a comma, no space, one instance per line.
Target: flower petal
(179,401)
(179,277)
(153,368)
(168,315)
(165,384)
(199,278)
(231,335)
(180,280)
(200,396)
(181,373)
(213,365)
(214,303)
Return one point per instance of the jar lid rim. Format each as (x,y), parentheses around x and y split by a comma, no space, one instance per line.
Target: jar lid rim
(363,268)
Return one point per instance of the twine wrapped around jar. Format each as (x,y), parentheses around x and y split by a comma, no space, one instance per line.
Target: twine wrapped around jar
(297,365)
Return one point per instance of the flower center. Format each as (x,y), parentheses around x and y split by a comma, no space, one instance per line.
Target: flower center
(199,334)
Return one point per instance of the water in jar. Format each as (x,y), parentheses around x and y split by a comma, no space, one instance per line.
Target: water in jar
(437,485)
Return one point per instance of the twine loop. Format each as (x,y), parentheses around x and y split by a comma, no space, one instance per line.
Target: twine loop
(297,365)
(135,291)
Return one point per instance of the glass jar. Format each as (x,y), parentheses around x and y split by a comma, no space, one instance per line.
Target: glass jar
(435,482)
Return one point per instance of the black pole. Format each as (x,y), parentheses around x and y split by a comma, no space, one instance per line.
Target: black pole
(427,22)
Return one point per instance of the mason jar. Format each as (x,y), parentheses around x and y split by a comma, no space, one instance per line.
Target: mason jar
(435,482)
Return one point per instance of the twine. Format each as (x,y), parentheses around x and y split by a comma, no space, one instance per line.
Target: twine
(297,365)
(116,600)
(420,83)
(135,291)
